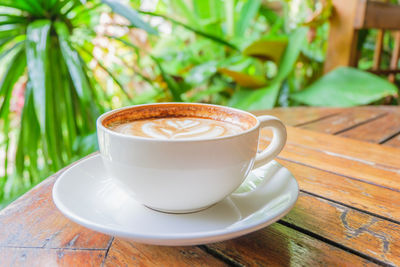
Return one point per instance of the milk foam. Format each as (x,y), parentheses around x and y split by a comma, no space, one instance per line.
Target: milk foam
(178,128)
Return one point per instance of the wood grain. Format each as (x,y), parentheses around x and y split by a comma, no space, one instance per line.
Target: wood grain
(299,115)
(377,131)
(372,154)
(124,253)
(38,257)
(393,142)
(34,221)
(361,232)
(347,214)
(344,120)
(278,245)
(374,199)
(335,163)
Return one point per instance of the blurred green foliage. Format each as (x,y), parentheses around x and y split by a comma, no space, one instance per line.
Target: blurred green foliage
(49,97)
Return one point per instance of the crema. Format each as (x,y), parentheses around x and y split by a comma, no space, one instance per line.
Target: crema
(178,128)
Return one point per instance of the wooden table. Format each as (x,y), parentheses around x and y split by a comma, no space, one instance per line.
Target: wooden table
(347,162)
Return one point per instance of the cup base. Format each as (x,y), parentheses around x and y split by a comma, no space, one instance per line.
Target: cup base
(179,211)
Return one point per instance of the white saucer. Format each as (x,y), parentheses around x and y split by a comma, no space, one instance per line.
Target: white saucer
(88,197)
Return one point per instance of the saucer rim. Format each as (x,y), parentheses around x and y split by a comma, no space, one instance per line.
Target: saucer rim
(193,238)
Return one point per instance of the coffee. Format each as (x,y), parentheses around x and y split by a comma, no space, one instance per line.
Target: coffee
(178,128)
(188,157)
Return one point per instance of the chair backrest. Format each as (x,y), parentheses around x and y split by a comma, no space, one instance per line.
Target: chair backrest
(351,16)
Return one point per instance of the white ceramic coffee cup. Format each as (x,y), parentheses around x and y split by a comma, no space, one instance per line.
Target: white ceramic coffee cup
(185,175)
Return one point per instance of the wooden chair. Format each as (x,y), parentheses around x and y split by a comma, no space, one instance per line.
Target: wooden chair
(348,18)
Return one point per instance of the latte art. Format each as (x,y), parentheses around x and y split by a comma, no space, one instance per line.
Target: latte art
(178,128)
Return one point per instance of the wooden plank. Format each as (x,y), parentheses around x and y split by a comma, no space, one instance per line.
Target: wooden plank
(278,245)
(393,142)
(34,221)
(344,120)
(38,257)
(343,166)
(124,253)
(342,40)
(378,50)
(379,15)
(376,131)
(358,231)
(374,199)
(394,60)
(371,154)
(385,72)
(299,115)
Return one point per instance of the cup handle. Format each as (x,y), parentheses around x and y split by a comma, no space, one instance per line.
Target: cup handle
(277,143)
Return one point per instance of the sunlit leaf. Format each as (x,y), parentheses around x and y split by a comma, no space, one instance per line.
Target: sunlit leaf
(71,58)
(21,5)
(37,60)
(345,87)
(262,98)
(267,49)
(103,67)
(27,145)
(11,76)
(130,14)
(247,15)
(183,8)
(11,19)
(202,72)
(173,86)
(244,79)
(267,97)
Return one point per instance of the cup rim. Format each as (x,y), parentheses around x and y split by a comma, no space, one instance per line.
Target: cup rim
(100,125)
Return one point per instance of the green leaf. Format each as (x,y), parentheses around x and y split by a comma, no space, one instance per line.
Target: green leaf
(35,5)
(28,138)
(229,17)
(103,67)
(11,19)
(270,15)
(202,72)
(198,96)
(173,86)
(264,98)
(12,49)
(130,14)
(71,58)
(21,5)
(292,51)
(85,145)
(11,76)
(37,38)
(345,87)
(180,6)
(247,14)
(244,79)
(210,14)
(58,115)
(39,71)
(265,49)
